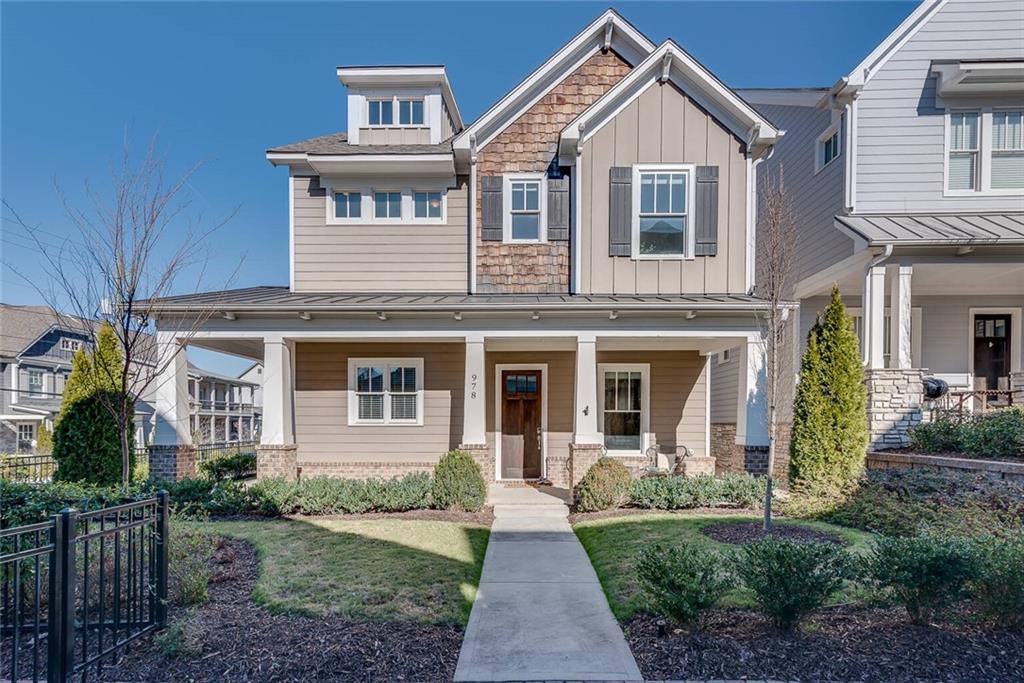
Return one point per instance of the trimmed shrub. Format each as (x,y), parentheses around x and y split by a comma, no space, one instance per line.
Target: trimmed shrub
(458,483)
(30,503)
(605,486)
(681,581)
(926,574)
(329,496)
(791,578)
(999,587)
(939,436)
(237,466)
(678,493)
(830,432)
(87,443)
(188,569)
(999,434)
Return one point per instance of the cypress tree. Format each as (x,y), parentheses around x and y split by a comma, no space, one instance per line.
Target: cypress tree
(830,431)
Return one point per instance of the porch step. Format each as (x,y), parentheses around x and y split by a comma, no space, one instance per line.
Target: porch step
(549,511)
(499,494)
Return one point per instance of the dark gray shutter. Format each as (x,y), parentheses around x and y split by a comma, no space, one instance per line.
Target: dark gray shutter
(558,209)
(707,211)
(620,211)
(491,208)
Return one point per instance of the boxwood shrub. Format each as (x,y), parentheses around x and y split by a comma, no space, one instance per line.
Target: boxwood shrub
(678,493)
(458,483)
(998,434)
(604,486)
(331,496)
(680,581)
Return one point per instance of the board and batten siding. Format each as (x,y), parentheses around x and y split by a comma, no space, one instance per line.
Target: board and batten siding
(725,383)
(322,431)
(395,135)
(378,257)
(663,125)
(814,198)
(901,126)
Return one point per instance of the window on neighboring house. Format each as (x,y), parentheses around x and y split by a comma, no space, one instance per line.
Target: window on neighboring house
(525,210)
(1007,150)
(35,383)
(622,408)
(663,213)
(386,391)
(724,356)
(348,204)
(387,204)
(26,436)
(963,151)
(830,148)
(427,204)
(67,344)
(410,112)
(381,112)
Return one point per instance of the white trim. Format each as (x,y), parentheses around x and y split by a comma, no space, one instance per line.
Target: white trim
(499,392)
(291,231)
(983,179)
(689,214)
(723,357)
(1016,318)
(396,100)
(645,402)
(819,146)
(367,206)
(542,203)
(916,332)
(707,404)
(577,249)
(472,226)
(387,364)
(394,76)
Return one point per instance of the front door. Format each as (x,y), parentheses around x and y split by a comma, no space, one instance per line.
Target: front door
(991,348)
(520,424)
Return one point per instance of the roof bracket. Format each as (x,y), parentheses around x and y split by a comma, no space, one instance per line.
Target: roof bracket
(666,64)
(609,26)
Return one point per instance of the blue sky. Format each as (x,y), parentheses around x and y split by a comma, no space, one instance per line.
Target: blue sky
(219,83)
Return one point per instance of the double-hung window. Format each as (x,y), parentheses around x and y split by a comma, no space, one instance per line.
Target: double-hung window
(830,148)
(35,383)
(963,150)
(623,407)
(1007,150)
(386,391)
(661,225)
(381,112)
(348,204)
(387,205)
(26,437)
(525,210)
(410,112)
(427,204)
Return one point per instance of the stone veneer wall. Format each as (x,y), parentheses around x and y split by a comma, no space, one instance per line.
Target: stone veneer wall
(1017,387)
(530,144)
(895,404)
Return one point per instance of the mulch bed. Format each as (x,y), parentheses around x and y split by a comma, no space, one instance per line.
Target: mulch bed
(577,517)
(742,533)
(837,644)
(237,640)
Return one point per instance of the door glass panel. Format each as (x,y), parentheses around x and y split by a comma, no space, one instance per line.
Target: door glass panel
(1000,328)
(979,328)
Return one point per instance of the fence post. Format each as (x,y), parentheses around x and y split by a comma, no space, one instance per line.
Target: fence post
(61,621)
(163,531)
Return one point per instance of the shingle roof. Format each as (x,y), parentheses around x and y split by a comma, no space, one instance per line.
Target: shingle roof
(22,325)
(282,299)
(337,144)
(989,228)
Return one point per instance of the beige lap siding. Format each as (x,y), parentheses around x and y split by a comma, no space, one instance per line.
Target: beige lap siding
(324,436)
(677,403)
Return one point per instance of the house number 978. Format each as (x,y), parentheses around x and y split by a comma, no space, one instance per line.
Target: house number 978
(472,387)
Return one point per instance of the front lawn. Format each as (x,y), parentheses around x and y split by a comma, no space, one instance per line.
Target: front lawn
(379,569)
(613,544)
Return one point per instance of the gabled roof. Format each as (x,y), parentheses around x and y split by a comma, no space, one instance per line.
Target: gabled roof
(672,63)
(200,373)
(609,30)
(23,326)
(935,230)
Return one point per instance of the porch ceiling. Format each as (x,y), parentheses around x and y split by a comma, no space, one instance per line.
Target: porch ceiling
(952,279)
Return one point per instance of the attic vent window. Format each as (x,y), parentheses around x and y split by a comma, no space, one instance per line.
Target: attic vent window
(70,344)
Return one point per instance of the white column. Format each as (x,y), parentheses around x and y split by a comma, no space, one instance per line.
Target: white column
(474,412)
(278,407)
(585,422)
(874,317)
(171,395)
(752,399)
(900,311)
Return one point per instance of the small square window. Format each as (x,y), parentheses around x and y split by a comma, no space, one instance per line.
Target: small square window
(427,204)
(381,112)
(410,112)
(347,204)
(387,204)
(67,344)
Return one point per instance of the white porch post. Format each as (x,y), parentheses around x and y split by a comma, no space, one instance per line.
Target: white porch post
(278,407)
(585,422)
(172,411)
(900,311)
(874,318)
(474,413)
(752,399)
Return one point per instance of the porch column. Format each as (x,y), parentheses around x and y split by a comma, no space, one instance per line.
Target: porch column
(900,312)
(874,318)
(474,427)
(585,421)
(276,454)
(752,406)
(172,456)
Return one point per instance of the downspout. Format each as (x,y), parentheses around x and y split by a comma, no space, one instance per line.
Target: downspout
(575,248)
(875,261)
(472,214)
(752,164)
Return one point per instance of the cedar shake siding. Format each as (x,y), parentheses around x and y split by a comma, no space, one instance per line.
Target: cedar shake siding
(530,144)
(663,125)
(378,257)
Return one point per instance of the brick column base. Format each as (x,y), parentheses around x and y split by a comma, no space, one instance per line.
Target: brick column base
(559,470)
(695,465)
(483,457)
(276,460)
(582,457)
(755,459)
(172,463)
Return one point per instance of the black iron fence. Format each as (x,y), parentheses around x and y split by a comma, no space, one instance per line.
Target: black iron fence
(36,469)
(78,588)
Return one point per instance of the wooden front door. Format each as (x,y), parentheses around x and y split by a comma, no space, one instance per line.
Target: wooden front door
(520,424)
(991,348)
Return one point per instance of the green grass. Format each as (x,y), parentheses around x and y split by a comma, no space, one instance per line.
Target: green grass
(388,569)
(613,544)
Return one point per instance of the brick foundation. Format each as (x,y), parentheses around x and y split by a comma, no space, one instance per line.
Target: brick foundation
(276,460)
(483,457)
(362,469)
(559,470)
(172,463)
(695,465)
(895,400)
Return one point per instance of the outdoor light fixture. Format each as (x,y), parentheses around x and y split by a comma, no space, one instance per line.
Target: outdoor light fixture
(381,315)
(535,316)
(305,315)
(228,315)
(613,315)
(690,315)
(457,315)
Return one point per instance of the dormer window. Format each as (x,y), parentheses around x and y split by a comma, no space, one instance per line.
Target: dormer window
(381,111)
(410,112)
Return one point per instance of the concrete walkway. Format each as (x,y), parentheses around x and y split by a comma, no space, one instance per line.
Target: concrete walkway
(540,614)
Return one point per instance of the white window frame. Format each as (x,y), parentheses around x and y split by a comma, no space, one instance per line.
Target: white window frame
(819,147)
(984,181)
(402,208)
(32,440)
(723,357)
(443,218)
(366,205)
(395,115)
(542,204)
(993,151)
(69,344)
(398,110)
(42,383)
(645,403)
(691,234)
(387,364)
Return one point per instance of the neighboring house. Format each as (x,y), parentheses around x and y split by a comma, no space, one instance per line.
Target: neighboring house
(224,409)
(536,287)
(906,179)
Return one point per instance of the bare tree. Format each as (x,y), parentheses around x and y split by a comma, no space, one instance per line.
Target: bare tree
(776,234)
(127,251)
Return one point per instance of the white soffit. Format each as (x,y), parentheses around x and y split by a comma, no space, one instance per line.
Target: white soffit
(997,77)
(372,164)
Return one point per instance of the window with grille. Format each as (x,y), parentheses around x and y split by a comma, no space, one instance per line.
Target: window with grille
(623,407)
(1007,150)
(963,151)
(386,391)
(26,436)
(35,383)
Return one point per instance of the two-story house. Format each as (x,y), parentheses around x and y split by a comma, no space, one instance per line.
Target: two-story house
(224,409)
(538,287)
(906,181)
